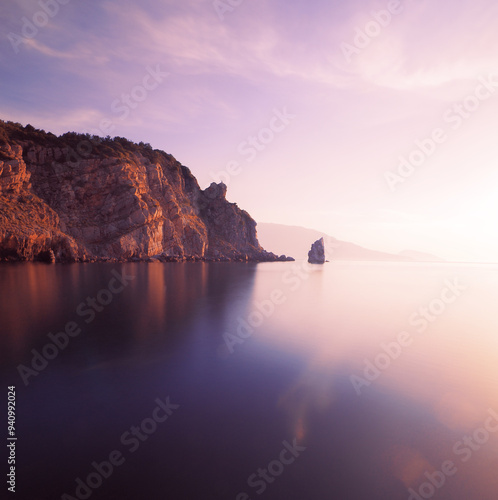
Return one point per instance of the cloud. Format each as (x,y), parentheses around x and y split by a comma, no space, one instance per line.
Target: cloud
(36,45)
(194,43)
(420,51)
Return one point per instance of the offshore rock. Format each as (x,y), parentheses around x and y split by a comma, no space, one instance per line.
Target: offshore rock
(80,198)
(317,253)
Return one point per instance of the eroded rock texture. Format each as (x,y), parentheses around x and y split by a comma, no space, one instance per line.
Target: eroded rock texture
(88,199)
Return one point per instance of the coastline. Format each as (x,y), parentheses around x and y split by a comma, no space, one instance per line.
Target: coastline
(152,259)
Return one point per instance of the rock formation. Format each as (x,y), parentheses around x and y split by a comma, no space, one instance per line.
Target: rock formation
(317,253)
(81,198)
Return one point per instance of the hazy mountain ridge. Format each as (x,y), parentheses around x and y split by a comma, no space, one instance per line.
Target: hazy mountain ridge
(421,256)
(81,198)
(297,240)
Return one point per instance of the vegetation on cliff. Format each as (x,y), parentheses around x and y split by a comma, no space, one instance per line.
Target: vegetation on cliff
(86,198)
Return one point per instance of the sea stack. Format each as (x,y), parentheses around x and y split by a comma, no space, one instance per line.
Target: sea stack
(317,253)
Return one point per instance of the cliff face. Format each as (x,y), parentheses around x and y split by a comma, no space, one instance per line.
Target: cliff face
(106,200)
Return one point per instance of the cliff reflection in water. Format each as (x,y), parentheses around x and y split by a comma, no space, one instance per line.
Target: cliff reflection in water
(158,303)
(288,379)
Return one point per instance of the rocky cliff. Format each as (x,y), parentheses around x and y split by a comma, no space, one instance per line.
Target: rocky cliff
(81,198)
(317,253)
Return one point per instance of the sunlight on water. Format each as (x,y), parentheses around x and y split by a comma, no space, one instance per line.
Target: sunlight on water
(385,373)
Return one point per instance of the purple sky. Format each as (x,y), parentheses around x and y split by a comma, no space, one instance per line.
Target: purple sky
(299,114)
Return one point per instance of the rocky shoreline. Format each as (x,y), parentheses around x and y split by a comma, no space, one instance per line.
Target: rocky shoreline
(48,257)
(81,198)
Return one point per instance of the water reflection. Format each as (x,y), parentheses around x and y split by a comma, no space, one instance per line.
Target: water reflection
(447,379)
(290,379)
(160,304)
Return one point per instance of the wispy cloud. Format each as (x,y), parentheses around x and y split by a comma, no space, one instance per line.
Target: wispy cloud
(354,119)
(420,50)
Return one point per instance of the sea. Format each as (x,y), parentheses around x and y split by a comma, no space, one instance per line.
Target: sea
(243,381)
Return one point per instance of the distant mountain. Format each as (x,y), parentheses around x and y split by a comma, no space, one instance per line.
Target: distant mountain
(296,241)
(420,256)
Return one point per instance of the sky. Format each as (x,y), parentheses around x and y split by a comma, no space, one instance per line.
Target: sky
(373,121)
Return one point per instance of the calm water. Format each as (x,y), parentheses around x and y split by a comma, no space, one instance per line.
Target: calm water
(267,370)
